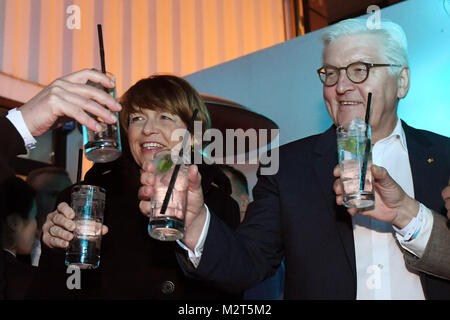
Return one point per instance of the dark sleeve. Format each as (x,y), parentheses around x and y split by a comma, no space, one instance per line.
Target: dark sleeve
(11,144)
(19,277)
(236,261)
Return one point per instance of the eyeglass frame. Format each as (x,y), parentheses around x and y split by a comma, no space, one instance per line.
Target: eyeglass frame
(368,66)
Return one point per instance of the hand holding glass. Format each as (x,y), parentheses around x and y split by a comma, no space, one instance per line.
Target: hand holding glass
(355,159)
(88,203)
(168,225)
(103,145)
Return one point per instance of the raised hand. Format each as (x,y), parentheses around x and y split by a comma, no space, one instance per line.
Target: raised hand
(68,98)
(392,204)
(195,211)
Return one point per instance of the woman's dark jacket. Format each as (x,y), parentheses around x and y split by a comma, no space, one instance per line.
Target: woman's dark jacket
(133,265)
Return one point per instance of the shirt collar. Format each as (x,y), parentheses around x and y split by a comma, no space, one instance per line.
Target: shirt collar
(397,133)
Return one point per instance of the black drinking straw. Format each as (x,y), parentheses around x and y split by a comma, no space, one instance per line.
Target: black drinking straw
(80,164)
(102,61)
(367,147)
(102,50)
(177,166)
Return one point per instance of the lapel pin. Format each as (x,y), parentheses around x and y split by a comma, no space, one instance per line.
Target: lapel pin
(430,160)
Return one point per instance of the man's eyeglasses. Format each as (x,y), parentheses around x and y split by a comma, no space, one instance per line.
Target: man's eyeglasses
(357,72)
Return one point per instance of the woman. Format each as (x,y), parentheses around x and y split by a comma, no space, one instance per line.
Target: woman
(133,265)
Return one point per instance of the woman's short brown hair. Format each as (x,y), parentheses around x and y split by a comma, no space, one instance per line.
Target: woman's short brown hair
(164,93)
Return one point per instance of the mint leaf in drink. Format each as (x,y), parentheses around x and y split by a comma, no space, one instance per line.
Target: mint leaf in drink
(165,164)
(350,145)
(354,145)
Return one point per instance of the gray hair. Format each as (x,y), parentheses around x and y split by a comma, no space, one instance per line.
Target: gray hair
(392,38)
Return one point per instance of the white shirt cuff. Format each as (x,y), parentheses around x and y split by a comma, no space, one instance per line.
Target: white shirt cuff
(16,118)
(418,244)
(195,256)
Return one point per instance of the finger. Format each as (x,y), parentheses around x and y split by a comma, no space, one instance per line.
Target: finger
(77,102)
(60,220)
(48,222)
(145,207)
(145,193)
(104,230)
(147,166)
(337,187)
(147,179)
(337,171)
(339,200)
(90,92)
(57,243)
(446,193)
(352,211)
(447,204)
(66,210)
(58,232)
(76,112)
(90,74)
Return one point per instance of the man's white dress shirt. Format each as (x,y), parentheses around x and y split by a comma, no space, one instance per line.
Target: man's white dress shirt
(380,267)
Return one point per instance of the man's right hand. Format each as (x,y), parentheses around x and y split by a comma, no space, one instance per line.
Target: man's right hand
(195,211)
(392,204)
(446,197)
(67,98)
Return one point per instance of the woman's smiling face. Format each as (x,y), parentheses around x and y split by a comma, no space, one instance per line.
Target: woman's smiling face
(150,131)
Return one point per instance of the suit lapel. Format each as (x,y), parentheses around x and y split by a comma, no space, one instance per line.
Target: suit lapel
(325,159)
(420,153)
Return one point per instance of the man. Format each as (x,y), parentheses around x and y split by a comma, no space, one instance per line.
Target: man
(48,183)
(66,98)
(328,254)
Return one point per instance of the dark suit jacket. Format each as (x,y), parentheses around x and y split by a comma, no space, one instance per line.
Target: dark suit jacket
(18,277)
(294,214)
(132,265)
(11,144)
